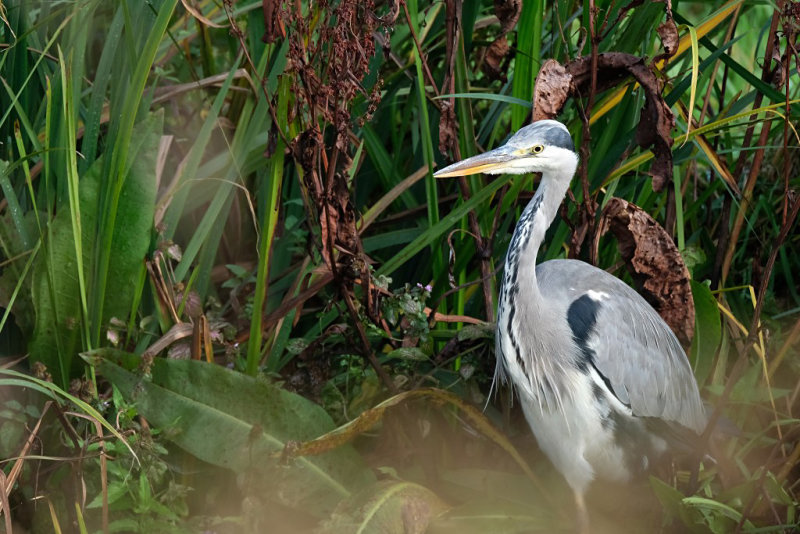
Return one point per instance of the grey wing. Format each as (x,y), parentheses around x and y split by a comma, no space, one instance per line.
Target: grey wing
(630,346)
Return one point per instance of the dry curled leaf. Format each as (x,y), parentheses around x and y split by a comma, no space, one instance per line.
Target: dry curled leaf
(448,126)
(493,60)
(553,87)
(507,12)
(273,26)
(574,79)
(668,32)
(654,262)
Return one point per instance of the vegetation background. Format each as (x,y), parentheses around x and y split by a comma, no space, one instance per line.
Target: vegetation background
(250,183)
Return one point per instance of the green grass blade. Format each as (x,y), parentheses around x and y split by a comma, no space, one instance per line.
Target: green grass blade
(13,205)
(120,162)
(431,188)
(74,196)
(695,74)
(489,96)
(527,61)
(436,232)
(271,213)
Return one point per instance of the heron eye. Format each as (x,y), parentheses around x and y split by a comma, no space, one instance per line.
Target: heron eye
(537,149)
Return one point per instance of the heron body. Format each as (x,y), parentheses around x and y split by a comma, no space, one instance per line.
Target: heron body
(595,367)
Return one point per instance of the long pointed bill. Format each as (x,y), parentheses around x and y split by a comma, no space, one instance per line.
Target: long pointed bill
(492,162)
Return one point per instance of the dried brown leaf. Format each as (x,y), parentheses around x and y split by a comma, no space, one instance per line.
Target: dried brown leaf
(553,87)
(492,64)
(555,83)
(508,11)
(654,262)
(346,232)
(273,26)
(656,122)
(448,127)
(668,32)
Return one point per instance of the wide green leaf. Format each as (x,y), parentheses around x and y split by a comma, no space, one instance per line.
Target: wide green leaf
(707,330)
(56,290)
(241,423)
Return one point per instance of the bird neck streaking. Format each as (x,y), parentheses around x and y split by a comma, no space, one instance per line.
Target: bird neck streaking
(520,296)
(534,222)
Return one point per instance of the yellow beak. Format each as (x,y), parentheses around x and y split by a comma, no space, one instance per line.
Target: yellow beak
(492,162)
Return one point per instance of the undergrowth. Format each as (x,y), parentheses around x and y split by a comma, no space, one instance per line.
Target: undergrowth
(250,184)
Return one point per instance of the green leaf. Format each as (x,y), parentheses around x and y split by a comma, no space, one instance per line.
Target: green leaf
(673,503)
(449,220)
(241,423)
(494,516)
(498,501)
(121,157)
(476,331)
(116,491)
(527,60)
(707,330)
(409,353)
(671,499)
(387,507)
(721,517)
(134,220)
(488,96)
(56,291)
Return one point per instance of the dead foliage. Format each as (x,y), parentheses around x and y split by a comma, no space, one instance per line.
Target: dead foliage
(654,262)
(327,62)
(496,57)
(448,123)
(668,32)
(273,25)
(556,83)
(790,26)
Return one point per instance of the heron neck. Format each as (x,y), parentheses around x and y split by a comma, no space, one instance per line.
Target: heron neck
(535,220)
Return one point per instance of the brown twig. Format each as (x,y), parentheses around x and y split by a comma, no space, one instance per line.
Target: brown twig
(787,225)
(11,479)
(758,157)
(369,354)
(419,50)
(587,215)
(228,6)
(741,363)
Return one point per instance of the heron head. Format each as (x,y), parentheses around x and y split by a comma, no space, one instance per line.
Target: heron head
(544,146)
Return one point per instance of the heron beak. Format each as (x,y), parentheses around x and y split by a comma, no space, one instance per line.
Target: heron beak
(492,162)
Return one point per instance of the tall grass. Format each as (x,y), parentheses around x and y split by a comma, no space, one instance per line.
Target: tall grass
(174,183)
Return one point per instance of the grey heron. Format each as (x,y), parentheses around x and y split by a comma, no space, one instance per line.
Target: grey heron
(597,370)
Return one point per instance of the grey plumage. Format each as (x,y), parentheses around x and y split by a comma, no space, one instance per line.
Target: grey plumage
(593,364)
